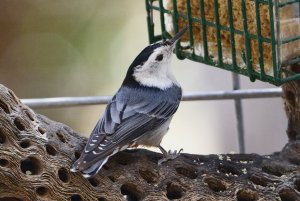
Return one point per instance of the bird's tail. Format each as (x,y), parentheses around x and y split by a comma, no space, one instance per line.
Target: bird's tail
(90,168)
(90,171)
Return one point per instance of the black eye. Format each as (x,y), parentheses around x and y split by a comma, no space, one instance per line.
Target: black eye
(159,57)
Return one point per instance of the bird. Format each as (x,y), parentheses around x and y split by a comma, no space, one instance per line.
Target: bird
(139,113)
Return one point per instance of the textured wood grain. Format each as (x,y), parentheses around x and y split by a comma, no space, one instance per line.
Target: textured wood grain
(291,97)
(36,154)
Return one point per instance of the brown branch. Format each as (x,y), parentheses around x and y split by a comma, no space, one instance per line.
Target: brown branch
(36,154)
(291,96)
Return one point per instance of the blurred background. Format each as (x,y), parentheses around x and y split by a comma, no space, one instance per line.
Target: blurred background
(83,48)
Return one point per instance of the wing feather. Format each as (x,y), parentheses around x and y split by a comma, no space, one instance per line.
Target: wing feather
(126,118)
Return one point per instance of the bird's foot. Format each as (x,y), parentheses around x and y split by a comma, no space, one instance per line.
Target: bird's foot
(170,155)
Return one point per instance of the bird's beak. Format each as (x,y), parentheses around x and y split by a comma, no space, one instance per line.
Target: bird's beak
(177,36)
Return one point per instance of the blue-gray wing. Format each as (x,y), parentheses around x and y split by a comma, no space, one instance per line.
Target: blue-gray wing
(130,114)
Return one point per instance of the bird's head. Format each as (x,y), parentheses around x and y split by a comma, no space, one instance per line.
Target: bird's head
(151,67)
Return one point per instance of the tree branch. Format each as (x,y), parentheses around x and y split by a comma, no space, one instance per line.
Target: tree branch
(36,154)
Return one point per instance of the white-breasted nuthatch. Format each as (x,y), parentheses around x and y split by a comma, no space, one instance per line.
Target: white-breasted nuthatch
(140,112)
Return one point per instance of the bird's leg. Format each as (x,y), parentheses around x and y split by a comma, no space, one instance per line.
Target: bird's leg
(170,155)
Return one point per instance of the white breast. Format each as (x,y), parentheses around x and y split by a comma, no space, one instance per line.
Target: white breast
(153,138)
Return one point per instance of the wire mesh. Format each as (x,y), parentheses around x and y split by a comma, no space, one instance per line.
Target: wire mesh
(255,38)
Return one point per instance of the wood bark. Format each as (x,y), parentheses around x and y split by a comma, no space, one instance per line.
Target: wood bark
(36,154)
(291,96)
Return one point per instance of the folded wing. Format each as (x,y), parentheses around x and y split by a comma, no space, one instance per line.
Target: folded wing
(125,119)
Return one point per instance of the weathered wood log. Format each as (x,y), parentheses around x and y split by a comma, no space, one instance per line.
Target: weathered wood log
(291,97)
(36,154)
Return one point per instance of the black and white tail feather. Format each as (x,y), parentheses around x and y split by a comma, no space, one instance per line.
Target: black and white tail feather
(139,113)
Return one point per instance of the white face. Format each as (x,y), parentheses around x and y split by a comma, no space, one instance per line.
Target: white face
(156,72)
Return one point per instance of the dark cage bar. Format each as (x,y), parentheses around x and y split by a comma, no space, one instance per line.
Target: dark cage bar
(256,38)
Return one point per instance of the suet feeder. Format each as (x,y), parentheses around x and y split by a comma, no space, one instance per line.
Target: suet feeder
(256,38)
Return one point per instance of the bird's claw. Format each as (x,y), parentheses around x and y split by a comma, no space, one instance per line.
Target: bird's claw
(170,155)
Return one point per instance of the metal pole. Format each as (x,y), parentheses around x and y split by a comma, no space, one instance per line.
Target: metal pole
(190,96)
(239,113)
